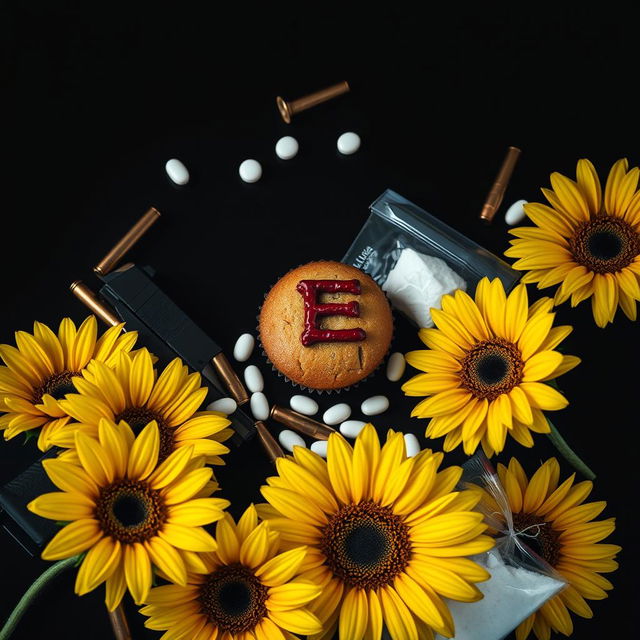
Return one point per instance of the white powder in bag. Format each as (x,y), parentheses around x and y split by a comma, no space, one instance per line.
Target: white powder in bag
(510,595)
(417,282)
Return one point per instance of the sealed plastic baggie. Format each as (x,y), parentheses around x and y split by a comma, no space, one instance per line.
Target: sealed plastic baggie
(521,580)
(417,259)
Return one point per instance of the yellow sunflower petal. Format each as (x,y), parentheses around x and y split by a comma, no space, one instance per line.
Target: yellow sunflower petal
(281,568)
(438,341)
(137,571)
(397,617)
(292,595)
(168,559)
(186,486)
(98,565)
(143,456)
(542,396)
(291,505)
(547,218)
(432,361)
(73,539)
(354,614)
(70,477)
(142,378)
(570,196)
(300,479)
(339,465)
(94,459)
(589,185)
(537,491)
(198,512)
(84,344)
(63,506)
(188,538)
(116,587)
(255,549)
(300,621)
(516,312)
(541,365)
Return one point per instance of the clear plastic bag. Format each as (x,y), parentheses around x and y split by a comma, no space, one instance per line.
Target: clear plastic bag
(417,258)
(521,581)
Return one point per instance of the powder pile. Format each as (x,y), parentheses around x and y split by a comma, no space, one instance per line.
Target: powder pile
(510,595)
(417,282)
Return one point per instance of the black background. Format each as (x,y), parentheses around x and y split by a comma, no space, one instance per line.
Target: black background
(99,99)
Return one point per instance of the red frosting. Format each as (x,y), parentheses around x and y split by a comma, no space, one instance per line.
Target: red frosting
(313,310)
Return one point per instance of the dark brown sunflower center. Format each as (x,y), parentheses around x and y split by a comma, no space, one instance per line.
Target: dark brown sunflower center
(366,545)
(139,417)
(56,385)
(233,599)
(605,244)
(130,511)
(491,368)
(539,536)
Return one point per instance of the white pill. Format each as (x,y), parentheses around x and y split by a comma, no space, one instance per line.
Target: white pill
(375,405)
(289,439)
(320,447)
(304,405)
(351,428)
(224,405)
(395,366)
(336,414)
(515,213)
(259,406)
(348,143)
(250,171)
(253,378)
(177,171)
(244,347)
(287,148)
(411,445)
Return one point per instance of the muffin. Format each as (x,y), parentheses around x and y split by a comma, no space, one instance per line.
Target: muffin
(325,325)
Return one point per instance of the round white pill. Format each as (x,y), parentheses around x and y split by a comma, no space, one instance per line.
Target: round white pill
(411,444)
(320,447)
(289,439)
(287,148)
(176,171)
(375,405)
(244,347)
(395,366)
(224,405)
(259,406)
(304,405)
(515,213)
(253,378)
(351,428)
(336,414)
(250,170)
(348,143)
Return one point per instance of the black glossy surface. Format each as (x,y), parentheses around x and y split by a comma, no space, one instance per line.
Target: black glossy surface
(99,99)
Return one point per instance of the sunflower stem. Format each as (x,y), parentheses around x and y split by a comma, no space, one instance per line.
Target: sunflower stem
(32,593)
(566,452)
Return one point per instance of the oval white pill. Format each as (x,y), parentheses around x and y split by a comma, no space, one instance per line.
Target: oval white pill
(244,347)
(289,439)
(250,170)
(224,405)
(395,366)
(348,143)
(374,405)
(320,447)
(259,406)
(177,171)
(287,148)
(515,213)
(411,444)
(304,405)
(253,378)
(351,428)
(336,414)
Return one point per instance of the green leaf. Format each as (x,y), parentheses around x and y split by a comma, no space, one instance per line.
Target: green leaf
(567,453)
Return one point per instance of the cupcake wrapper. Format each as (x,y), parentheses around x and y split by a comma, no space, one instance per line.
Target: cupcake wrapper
(311,390)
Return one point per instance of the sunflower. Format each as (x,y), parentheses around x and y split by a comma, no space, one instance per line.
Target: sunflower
(565,537)
(130,392)
(127,512)
(486,368)
(587,243)
(387,536)
(246,590)
(40,369)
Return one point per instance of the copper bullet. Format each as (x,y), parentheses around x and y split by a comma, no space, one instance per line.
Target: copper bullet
(229,378)
(303,424)
(119,623)
(289,109)
(494,198)
(88,298)
(271,447)
(128,240)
